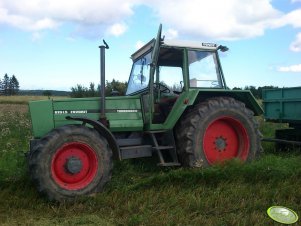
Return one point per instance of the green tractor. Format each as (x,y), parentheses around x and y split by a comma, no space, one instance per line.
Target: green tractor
(177,106)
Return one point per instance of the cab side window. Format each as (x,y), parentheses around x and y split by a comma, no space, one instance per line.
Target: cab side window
(203,69)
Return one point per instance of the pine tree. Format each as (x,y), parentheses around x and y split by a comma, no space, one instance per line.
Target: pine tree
(9,85)
(14,85)
(5,85)
(1,87)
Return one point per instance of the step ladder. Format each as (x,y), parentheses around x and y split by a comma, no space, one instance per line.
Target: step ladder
(160,149)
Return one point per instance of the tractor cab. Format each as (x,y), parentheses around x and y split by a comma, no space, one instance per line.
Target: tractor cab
(162,72)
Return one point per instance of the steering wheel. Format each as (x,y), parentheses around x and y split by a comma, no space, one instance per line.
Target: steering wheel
(160,87)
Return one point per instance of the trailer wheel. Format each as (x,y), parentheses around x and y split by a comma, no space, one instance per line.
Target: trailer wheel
(71,161)
(217,130)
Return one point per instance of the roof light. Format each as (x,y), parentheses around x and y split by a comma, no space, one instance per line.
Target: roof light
(207,44)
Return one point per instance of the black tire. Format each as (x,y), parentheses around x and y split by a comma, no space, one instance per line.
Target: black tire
(70,161)
(216,130)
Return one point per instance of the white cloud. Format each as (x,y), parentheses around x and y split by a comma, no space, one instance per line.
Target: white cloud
(292,18)
(26,23)
(232,19)
(37,15)
(296,45)
(291,68)
(171,33)
(139,44)
(210,19)
(117,29)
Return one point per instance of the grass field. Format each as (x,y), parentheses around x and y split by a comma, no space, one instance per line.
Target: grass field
(141,193)
(24,99)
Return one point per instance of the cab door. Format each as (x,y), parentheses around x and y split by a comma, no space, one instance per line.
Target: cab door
(154,60)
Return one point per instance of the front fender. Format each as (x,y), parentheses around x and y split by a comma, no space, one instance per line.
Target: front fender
(102,130)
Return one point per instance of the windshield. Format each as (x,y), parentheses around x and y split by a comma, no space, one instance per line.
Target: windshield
(203,69)
(139,78)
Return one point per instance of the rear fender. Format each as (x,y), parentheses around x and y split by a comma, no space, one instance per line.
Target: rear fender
(244,96)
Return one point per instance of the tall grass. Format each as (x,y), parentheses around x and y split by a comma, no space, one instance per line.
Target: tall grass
(141,193)
(14,136)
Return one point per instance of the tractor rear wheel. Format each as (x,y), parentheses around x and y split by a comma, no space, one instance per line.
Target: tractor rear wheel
(217,130)
(71,161)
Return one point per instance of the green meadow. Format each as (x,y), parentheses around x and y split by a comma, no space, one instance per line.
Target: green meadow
(141,193)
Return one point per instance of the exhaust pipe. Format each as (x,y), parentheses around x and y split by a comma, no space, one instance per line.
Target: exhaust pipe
(103,119)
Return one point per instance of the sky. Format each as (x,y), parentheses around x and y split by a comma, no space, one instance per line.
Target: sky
(53,44)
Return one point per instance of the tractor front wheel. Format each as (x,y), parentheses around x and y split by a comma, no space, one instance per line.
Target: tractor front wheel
(217,130)
(71,161)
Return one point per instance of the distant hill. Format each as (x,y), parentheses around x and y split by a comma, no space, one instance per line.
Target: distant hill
(42,92)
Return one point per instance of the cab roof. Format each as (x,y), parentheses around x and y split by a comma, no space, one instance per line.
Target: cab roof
(175,43)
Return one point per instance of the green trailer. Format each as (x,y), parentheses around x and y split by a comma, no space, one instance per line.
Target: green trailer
(283,105)
(177,106)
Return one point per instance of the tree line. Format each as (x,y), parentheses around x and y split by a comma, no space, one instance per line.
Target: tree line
(257,92)
(114,87)
(9,85)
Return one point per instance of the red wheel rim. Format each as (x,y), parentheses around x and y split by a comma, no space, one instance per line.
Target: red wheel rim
(225,138)
(74,166)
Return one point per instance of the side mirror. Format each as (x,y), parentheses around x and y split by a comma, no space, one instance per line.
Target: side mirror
(223,48)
